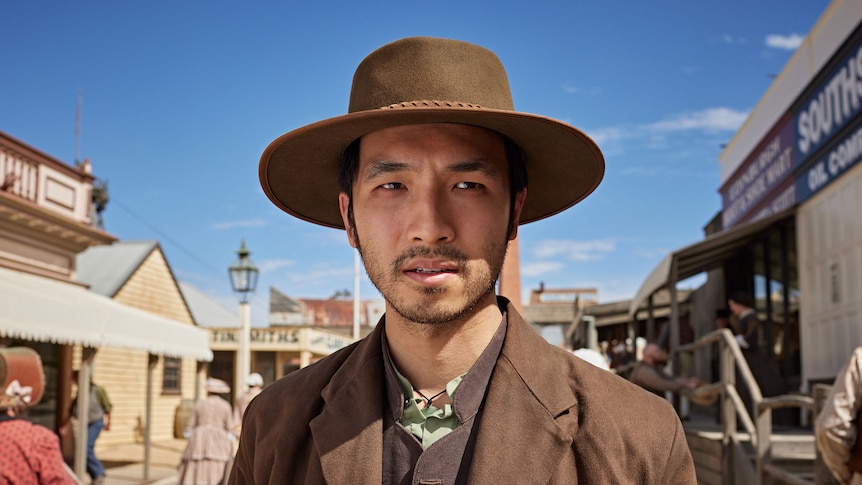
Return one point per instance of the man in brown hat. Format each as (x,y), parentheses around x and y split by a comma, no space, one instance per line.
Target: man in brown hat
(428,174)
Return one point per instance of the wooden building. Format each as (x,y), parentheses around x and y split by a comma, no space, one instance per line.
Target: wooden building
(790,231)
(48,217)
(137,275)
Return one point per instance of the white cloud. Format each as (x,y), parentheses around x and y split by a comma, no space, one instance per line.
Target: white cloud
(541,268)
(730,39)
(604,135)
(574,250)
(660,136)
(569,89)
(270,265)
(324,275)
(642,170)
(246,223)
(787,42)
(713,119)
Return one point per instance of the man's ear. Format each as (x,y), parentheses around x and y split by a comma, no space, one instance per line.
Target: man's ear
(344,207)
(520,197)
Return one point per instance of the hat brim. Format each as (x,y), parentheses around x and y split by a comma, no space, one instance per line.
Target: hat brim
(704,395)
(299,170)
(218,387)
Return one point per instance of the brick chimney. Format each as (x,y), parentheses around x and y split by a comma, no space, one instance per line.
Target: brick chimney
(510,276)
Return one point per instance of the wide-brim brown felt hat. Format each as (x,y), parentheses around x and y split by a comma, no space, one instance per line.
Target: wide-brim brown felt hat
(421,80)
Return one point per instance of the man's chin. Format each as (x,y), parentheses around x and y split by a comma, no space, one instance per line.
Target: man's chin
(432,314)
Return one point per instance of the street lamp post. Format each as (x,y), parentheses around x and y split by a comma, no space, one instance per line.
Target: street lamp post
(243,279)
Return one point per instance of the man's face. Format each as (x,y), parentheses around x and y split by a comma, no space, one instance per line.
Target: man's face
(430,215)
(735,308)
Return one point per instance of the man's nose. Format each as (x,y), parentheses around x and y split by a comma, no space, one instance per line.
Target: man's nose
(431,219)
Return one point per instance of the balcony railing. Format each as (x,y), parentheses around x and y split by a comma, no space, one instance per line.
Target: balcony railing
(45,181)
(19,176)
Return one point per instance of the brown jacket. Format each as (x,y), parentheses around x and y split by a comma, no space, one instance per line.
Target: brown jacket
(548,418)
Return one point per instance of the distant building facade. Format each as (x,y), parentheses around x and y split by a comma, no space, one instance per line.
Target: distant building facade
(790,231)
(47,218)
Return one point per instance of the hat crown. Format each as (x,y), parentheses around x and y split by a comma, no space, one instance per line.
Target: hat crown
(22,380)
(430,69)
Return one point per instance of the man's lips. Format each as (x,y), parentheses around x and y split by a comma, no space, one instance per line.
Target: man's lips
(432,270)
(431,267)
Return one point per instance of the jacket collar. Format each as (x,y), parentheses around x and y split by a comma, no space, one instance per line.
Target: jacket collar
(529,404)
(348,427)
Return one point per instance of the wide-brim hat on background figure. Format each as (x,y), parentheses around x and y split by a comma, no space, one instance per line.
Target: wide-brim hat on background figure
(216,386)
(22,381)
(422,80)
(254,380)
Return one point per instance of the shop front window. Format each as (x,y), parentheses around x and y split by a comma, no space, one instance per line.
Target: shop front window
(776,295)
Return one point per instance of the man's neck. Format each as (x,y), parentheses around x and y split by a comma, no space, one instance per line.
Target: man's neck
(430,356)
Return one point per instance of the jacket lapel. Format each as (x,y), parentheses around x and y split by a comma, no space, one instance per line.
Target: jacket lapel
(351,422)
(529,416)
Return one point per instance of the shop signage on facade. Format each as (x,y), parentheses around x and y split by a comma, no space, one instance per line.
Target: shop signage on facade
(837,159)
(765,169)
(809,147)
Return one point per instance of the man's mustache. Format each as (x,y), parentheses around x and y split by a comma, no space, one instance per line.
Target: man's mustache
(447,252)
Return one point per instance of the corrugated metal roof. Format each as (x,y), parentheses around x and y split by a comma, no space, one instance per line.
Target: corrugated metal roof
(279,302)
(205,311)
(107,268)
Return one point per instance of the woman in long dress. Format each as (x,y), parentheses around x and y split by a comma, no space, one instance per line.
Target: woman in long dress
(209,452)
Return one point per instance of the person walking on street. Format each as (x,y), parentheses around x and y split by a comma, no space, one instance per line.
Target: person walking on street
(428,175)
(254,381)
(98,420)
(29,454)
(209,452)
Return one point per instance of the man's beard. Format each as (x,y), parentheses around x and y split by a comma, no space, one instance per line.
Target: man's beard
(478,282)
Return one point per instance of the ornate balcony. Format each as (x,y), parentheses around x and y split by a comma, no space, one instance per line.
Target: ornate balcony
(45,211)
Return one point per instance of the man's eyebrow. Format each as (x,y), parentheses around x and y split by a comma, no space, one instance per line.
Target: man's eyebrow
(377,169)
(477,165)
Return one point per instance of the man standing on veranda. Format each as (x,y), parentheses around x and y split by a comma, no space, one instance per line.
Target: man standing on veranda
(428,174)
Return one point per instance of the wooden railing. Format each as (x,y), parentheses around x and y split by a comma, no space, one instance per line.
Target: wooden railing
(730,361)
(759,428)
(765,466)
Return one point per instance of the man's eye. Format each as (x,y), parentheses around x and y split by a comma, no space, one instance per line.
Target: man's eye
(467,185)
(392,186)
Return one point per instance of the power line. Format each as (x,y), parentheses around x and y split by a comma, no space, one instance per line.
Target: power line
(164,236)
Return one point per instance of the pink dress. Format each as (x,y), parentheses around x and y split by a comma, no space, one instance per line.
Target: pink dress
(30,455)
(209,452)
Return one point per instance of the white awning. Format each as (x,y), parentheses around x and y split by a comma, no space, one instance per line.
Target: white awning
(709,253)
(37,308)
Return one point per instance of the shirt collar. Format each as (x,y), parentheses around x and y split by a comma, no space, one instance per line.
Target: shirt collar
(471,389)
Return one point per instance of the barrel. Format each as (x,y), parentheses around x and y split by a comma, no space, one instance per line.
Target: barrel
(181,416)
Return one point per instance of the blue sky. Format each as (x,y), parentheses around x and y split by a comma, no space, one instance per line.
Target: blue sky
(181,98)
